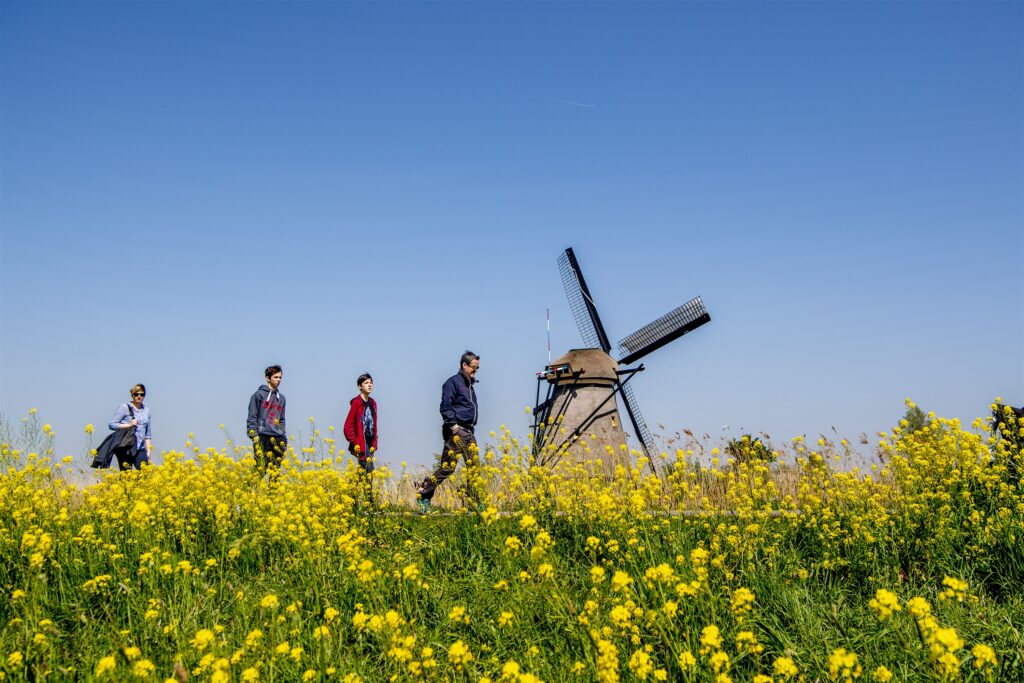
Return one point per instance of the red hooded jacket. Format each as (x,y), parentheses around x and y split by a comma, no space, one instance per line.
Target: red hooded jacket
(354,427)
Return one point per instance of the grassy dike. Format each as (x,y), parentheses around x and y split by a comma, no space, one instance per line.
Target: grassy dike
(744,570)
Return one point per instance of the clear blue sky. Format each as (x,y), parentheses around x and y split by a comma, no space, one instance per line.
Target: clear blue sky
(191,191)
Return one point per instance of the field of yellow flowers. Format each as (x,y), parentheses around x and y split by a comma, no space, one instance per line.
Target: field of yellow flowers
(911,569)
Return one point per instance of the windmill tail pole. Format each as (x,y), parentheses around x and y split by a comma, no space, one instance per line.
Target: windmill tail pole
(548,312)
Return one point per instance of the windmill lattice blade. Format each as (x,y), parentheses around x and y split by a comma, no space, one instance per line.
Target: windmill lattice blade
(581,303)
(668,327)
(643,434)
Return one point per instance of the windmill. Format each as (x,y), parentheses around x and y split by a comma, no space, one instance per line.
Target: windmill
(580,398)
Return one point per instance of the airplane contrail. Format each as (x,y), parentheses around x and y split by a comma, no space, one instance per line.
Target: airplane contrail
(570,102)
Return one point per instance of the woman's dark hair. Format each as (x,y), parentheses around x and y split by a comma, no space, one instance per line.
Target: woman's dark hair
(271,371)
(137,388)
(362,378)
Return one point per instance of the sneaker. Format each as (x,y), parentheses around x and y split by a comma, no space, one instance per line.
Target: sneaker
(424,505)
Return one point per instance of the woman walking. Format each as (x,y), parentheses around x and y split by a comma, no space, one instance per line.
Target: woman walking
(134,415)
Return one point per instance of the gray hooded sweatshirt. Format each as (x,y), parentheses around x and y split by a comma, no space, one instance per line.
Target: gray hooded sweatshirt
(266,413)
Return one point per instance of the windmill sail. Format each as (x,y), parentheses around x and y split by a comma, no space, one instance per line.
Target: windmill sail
(581,303)
(668,327)
(641,432)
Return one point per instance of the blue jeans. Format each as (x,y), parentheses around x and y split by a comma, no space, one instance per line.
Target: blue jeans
(132,458)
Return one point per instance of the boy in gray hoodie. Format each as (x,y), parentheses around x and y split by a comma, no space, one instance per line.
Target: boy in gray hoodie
(266,424)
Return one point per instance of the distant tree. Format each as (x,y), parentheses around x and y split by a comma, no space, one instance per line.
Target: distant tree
(749,449)
(915,419)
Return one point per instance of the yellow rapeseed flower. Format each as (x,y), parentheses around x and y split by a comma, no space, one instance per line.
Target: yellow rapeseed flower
(459,655)
(742,600)
(105,665)
(511,671)
(710,639)
(885,603)
(843,666)
(955,589)
(746,642)
(881,675)
(984,657)
(719,662)
(918,607)
(785,668)
(143,669)
(621,581)
(202,639)
(640,664)
(607,662)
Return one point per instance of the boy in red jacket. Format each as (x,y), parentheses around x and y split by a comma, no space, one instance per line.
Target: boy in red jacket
(361,430)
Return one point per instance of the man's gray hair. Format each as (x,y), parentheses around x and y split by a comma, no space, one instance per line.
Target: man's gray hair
(467,358)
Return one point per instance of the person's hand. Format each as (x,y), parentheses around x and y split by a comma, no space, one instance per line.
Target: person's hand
(134,422)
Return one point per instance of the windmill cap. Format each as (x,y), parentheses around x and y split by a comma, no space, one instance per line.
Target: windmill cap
(594,366)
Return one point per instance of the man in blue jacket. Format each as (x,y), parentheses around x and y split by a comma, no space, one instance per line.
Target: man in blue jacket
(458,415)
(266,423)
